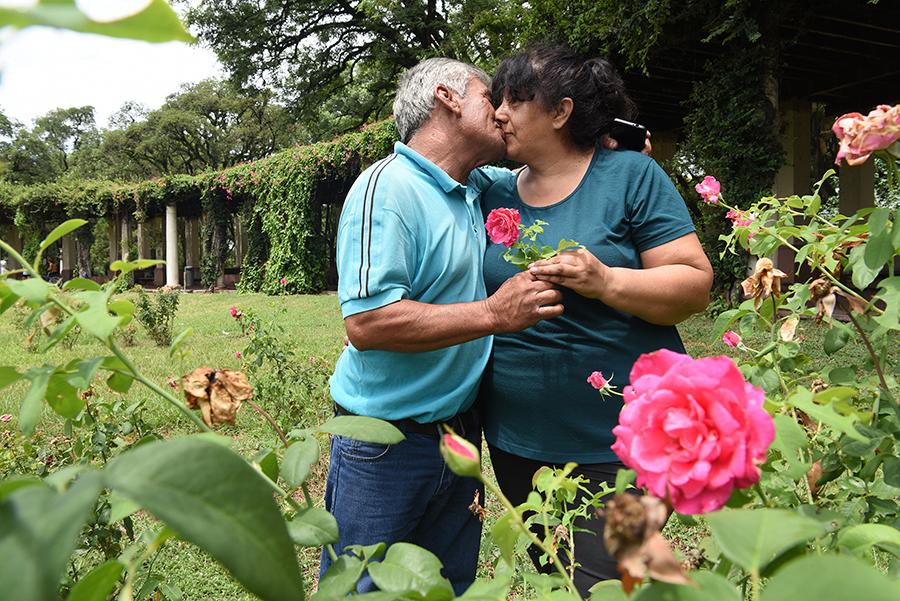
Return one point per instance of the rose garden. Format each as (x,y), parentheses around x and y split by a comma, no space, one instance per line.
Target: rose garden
(163,442)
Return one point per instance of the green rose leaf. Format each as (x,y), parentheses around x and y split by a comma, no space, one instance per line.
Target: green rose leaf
(216,500)
(409,568)
(98,583)
(836,338)
(313,527)
(752,538)
(830,577)
(157,22)
(366,429)
(505,534)
(61,230)
(802,399)
(789,440)
(298,460)
(339,579)
(710,587)
(859,539)
(40,527)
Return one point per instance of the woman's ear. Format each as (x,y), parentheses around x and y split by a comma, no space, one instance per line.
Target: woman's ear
(562,112)
(445,97)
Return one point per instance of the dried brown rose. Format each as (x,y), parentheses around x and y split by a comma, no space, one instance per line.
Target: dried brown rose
(812,478)
(632,537)
(765,281)
(218,393)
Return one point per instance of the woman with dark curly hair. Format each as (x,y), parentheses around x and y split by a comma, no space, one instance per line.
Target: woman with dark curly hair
(641,271)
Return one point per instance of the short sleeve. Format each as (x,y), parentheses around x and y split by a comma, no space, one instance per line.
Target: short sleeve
(375,251)
(656,211)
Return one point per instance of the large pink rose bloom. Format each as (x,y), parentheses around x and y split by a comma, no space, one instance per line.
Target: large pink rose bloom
(692,429)
(503,226)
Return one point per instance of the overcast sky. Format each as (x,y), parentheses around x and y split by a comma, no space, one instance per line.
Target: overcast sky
(42,69)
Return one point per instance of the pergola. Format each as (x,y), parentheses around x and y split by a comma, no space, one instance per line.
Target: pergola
(846,57)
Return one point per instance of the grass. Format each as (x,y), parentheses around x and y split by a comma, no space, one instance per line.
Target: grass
(313,329)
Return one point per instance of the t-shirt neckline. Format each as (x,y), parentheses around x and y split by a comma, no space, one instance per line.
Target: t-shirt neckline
(518,198)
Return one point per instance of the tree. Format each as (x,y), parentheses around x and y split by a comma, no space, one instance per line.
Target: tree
(63,131)
(207,125)
(312,53)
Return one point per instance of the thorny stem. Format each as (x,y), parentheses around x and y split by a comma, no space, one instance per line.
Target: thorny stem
(531,535)
(271,421)
(875,362)
(170,398)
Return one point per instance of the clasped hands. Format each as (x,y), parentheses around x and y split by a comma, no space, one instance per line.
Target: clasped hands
(577,270)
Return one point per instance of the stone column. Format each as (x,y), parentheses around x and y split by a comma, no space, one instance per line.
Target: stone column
(126,236)
(143,241)
(240,241)
(13,238)
(114,236)
(171,245)
(664,146)
(857,187)
(192,249)
(159,272)
(794,176)
(67,262)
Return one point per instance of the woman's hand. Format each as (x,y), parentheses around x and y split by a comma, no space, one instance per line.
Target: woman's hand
(577,270)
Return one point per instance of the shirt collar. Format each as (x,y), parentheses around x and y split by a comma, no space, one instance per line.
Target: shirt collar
(446,182)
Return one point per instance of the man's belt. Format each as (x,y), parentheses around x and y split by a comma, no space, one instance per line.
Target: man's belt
(461,423)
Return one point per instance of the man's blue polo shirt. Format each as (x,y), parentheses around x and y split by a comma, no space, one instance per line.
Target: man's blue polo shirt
(410,231)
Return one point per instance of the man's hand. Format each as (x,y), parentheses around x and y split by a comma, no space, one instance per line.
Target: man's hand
(521,302)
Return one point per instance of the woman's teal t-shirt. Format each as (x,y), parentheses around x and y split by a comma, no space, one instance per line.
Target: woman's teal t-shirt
(536,399)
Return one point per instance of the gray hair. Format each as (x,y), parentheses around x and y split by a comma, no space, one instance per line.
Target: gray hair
(415,92)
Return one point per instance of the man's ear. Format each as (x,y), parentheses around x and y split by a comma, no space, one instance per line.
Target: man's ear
(562,112)
(445,97)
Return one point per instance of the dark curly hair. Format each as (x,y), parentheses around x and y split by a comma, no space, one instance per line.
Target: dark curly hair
(551,73)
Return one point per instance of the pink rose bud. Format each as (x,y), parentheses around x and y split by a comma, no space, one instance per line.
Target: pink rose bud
(283,281)
(709,189)
(597,380)
(234,311)
(238,355)
(731,338)
(692,429)
(5,417)
(503,226)
(460,455)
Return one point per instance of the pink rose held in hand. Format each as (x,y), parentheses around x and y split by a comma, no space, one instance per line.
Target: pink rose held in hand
(692,429)
(503,226)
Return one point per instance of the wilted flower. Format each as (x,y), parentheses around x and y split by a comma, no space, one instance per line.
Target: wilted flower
(632,536)
(692,429)
(861,136)
(765,281)
(731,338)
(503,226)
(460,455)
(218,393)
(709,189)
(788,329)
(5,417)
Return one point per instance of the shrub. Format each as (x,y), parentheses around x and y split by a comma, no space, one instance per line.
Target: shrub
(159,316)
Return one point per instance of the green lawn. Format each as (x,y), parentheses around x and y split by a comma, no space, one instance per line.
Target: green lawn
(313,329)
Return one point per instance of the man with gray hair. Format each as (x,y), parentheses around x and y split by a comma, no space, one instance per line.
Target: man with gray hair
(411,242)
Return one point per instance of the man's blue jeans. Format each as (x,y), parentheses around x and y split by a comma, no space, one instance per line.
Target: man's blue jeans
(404,492)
